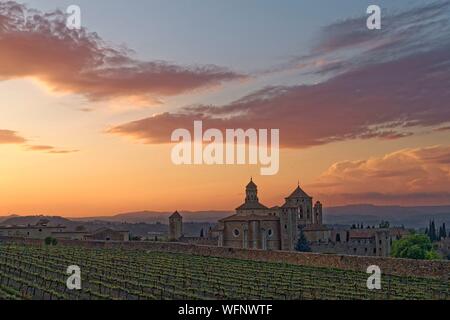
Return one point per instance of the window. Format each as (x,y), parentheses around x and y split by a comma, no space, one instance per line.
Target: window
(270,232)
(236,232)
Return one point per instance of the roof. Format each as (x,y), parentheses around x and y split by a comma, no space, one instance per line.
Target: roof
(175,215)
(251,205)
(31,227)
(107,230)
(316,227)
(251,184)
(70,232)
(299,193)
(362,234)
(252,217)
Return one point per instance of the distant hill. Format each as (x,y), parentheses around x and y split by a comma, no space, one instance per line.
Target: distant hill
(32,220)
(162,217)
(410,217)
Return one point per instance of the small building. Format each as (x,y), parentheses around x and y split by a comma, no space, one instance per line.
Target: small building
(361,242)
(70,235)
(317,233)
(106,234)
(444,248)
(38,231)
(175,226)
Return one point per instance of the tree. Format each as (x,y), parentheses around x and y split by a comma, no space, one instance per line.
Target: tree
(80,228)
(442,232)
(50,241)
(384,224)
(302,243)
(415,246)
(432,231)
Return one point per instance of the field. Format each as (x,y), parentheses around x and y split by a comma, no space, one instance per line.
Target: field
(34,272)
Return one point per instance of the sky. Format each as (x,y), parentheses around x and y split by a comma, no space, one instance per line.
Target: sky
(87,115)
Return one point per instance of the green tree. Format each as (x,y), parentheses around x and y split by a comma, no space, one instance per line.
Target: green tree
(302,243)
(432,231)
(442,232)
(48,241)
(415,246)
(384,224)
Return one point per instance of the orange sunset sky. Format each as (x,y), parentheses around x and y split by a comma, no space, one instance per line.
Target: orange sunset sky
(86,115)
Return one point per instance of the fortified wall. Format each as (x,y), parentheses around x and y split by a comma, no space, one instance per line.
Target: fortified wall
(401,267)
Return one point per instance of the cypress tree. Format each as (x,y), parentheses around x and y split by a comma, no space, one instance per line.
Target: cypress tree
(302,243)
(433,235)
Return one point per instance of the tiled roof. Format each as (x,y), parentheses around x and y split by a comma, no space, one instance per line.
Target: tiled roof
(316,227)
(175,215)
(251,205)
(299,193)
(362,234)
(252,217)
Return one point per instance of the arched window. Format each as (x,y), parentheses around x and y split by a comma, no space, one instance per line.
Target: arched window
(338,237)
(236,232)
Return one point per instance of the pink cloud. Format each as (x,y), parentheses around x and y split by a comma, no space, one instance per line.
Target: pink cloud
(375,101)
(13,137)
(38,45)
(410,176)
(10,137)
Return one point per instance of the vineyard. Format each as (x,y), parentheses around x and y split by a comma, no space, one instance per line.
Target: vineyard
(34,272)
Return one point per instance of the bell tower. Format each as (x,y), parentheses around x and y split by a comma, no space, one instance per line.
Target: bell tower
(251,192)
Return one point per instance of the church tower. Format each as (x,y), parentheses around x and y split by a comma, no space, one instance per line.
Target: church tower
(296,213)
(251,203)
(251,192)
(318,213)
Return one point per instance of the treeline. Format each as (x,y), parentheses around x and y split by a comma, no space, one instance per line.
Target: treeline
(434,234)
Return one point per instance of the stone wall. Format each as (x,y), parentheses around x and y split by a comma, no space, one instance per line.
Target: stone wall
(403,267)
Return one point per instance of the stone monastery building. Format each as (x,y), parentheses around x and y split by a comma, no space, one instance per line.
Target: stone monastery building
(255,226)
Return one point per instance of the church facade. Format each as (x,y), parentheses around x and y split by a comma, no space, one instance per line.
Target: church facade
(256,226)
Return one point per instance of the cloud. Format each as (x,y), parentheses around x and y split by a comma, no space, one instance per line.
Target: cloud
(38,45)
(10,137)
(382,101)
(378,97)
(410,176)
(13,137)
(348,44)
(49,149)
